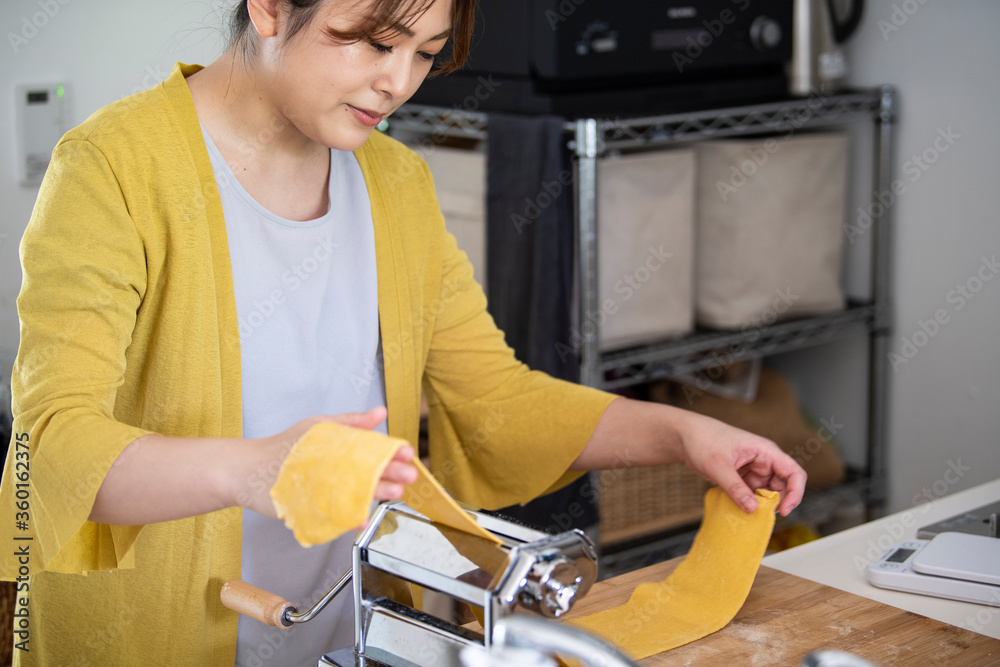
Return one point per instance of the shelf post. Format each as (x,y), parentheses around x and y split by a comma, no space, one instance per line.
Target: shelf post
(586,147)
(881,289)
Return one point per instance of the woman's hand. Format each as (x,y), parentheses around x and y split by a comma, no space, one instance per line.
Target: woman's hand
(252,484)
(160,478)
(637,433)
(740,462)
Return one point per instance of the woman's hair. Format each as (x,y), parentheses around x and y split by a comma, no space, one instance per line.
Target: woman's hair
(380,23)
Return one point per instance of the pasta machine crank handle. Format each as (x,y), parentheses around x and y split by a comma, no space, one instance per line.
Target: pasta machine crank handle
(272,609)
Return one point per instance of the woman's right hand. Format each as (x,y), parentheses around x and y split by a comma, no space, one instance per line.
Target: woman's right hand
(252,483)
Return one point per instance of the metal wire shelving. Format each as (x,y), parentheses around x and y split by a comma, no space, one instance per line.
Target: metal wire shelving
(591,138)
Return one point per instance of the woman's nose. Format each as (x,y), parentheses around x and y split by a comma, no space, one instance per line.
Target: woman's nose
(394,78)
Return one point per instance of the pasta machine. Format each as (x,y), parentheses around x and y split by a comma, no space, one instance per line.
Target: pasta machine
(512,587)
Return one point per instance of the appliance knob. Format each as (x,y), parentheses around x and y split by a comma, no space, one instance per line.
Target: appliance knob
(605,44)
(598,37)
(765,34)
(551,585)
(560,589)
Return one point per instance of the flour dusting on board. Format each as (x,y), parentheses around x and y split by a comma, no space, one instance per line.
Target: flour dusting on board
(700,655)
(749,634)
(768,650)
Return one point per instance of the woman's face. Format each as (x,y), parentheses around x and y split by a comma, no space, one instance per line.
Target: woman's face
(336,93)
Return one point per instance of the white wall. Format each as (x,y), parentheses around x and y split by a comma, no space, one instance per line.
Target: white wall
(944,407)
(944,403)
(102,50)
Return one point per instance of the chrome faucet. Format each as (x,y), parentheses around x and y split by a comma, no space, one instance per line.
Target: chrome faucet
(565,640)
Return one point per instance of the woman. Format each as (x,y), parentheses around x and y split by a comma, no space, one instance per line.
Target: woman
(216,264)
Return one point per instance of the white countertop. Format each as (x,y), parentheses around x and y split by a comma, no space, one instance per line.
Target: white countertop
(841,560)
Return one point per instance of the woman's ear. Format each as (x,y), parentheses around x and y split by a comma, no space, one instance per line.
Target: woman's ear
(264,16)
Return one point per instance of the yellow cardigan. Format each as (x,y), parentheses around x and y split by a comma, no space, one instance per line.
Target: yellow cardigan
(128,326)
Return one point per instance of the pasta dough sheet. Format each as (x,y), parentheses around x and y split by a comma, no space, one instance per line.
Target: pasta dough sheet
(427,496)
(705,591)
(327,482)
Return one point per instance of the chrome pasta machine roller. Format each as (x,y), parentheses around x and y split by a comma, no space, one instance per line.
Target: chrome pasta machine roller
(402,554)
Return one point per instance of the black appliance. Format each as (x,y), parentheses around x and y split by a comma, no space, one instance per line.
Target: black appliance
(584,57)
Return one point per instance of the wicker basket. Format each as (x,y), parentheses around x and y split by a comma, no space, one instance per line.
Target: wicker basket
(636,502)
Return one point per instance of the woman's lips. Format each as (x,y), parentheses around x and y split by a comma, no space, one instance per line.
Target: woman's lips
(365,117)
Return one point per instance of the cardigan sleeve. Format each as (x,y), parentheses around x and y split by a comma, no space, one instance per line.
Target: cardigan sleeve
(499,433)
(83,283)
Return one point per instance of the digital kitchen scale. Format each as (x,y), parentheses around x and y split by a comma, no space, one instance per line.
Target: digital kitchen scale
(957,566)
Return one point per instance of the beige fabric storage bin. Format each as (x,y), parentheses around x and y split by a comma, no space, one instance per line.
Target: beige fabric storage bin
(645,212)
(460,184)
(769,233)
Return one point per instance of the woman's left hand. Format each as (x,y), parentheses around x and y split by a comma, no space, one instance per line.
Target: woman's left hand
(739,462)
(651,434)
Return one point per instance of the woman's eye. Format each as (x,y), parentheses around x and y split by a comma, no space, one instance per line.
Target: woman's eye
(381,48)
(429,57)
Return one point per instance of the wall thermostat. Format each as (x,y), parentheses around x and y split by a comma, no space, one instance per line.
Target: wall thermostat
(40,123)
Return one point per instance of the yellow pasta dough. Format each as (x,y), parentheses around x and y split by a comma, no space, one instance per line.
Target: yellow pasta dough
(327,482)
(428,497)
(705,591)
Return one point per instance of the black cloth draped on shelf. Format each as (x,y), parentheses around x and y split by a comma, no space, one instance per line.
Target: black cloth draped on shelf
(529,250)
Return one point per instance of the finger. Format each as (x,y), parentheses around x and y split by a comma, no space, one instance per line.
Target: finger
(398,472)
(366,420)
(405,454)
(758,481)
(388,491)
(776,484)
(779,472)
(788,482)
(731,482)
(795,486)
(783,475)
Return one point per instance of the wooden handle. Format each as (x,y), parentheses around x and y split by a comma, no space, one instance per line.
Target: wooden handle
(247,599)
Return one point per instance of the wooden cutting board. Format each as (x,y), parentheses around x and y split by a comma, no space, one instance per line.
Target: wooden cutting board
(786,617)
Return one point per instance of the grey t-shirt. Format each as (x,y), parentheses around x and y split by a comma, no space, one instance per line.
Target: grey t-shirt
(307,307)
